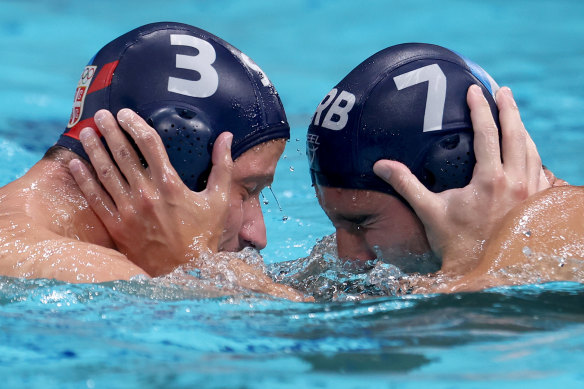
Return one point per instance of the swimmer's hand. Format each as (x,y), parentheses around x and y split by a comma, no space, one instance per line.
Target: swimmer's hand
(151,215)
(459,221)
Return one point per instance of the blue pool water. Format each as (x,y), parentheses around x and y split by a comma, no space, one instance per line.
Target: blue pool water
(148,335)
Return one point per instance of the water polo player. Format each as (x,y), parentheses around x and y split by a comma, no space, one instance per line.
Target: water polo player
(192,86)
(179,92)
(403,115)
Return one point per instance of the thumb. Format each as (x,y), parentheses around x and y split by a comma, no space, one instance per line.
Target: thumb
(406,184)
(222,169)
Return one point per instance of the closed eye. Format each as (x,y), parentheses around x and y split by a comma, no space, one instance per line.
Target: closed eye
(255,184)
(251,190)
(352,221)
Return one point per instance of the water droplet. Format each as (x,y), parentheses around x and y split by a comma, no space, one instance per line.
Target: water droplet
(275,198)
(527,233)
(264,199)
(291,168)
(284,218)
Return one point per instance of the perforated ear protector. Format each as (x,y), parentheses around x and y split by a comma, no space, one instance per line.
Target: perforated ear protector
(187,136)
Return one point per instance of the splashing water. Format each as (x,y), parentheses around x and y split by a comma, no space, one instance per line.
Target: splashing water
(326,277)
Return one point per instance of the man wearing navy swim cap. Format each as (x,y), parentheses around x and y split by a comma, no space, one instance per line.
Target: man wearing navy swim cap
(188,103)
(402,166)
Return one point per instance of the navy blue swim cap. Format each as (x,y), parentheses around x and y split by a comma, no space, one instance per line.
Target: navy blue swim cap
(405,103)
(186,83)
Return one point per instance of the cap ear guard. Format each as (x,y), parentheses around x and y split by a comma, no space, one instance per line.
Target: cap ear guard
(448,163)
(188,139)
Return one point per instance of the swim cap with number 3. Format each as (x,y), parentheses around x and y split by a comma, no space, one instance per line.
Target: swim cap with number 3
(189,85)
(405,103)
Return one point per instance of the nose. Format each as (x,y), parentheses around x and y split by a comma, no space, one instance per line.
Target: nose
(353,245)
(253,228)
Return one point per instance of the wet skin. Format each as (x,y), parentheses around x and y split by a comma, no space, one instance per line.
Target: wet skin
(252,172)
(454,224)
(372,225)
(546,232)
(48,231)
(169,228)
(159,206)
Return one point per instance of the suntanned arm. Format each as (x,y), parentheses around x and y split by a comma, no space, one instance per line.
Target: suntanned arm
(550,223)
(47,255)
(545,229)
(47,231)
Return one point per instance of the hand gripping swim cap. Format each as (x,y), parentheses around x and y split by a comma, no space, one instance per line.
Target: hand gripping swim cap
(405,103)
(186,83)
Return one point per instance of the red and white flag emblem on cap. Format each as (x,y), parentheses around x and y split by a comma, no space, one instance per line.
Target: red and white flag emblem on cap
(80,94)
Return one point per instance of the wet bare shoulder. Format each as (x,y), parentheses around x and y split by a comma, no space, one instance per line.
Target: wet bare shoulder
(540,240)
(33,253)
(550,223)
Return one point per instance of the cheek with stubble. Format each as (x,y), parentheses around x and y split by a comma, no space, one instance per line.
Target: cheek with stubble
(353,245)
(401,237)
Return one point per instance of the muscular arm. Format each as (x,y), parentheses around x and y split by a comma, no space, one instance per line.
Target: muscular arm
(533,242)
(47,255)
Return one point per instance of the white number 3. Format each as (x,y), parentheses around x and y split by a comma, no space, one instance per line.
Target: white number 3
(207,85)
(436,92)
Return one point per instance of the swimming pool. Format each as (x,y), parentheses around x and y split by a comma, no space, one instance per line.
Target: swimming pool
(149,335)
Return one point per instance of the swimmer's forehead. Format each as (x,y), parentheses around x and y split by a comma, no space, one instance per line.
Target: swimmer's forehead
(257,165)
(353,203)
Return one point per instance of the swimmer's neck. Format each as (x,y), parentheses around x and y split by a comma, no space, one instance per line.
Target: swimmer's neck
(49,197)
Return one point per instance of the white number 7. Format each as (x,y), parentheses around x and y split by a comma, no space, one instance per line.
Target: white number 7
(436,92)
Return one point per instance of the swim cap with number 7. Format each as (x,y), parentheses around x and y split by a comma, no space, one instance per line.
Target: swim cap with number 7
(189,85)
(405,103)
